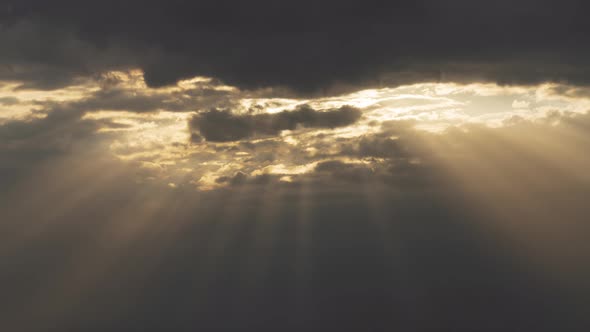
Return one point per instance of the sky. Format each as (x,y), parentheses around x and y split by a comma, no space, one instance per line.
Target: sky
(298,166)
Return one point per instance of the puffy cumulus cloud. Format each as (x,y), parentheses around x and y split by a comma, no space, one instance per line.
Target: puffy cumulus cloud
(223,126)
(306,46)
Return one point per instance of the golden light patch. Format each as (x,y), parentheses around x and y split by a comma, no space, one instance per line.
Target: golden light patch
(161,139)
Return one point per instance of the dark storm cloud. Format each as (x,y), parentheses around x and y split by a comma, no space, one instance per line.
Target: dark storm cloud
(42,55)
(223,126)
(304,45)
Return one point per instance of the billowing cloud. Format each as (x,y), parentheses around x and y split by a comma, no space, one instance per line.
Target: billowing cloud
(223,126)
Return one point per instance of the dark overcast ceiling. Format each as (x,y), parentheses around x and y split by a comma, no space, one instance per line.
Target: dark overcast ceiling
(304,45)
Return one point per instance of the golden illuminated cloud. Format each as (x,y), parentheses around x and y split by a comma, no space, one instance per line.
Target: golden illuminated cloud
(151,128)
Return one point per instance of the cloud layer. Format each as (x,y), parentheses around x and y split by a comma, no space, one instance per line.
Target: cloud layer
(307,46)
(223,126)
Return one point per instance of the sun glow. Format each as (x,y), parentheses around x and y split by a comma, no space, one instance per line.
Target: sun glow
(160,141)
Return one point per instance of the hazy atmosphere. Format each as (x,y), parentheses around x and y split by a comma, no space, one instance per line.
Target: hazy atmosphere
(298,166)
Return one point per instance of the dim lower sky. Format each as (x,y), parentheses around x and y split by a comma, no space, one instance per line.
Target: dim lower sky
(461,206)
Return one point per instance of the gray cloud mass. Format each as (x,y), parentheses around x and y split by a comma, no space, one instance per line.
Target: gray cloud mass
(223,126)
(306,46)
